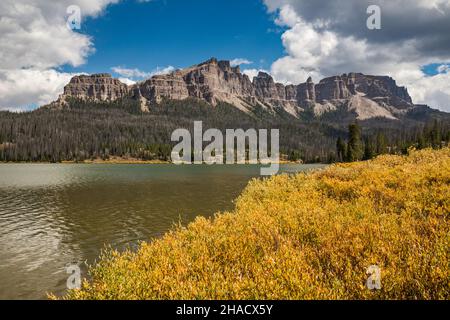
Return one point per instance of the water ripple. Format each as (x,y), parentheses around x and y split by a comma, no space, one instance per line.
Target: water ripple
(55,215)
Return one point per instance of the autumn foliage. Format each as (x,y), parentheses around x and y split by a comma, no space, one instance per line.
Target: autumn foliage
(303,236)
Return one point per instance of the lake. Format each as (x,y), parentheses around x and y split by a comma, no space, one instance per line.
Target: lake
(56,215)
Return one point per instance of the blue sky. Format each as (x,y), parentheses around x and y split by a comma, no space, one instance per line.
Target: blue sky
(433,69)
(180,33)
(290,39)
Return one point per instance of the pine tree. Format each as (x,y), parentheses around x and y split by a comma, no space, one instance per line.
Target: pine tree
(381,147)
(369,150)
(355,150)
(294,155)
(436,139)
(341,150)
(421,144)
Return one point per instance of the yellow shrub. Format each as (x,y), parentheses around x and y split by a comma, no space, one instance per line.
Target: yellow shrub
(304,236)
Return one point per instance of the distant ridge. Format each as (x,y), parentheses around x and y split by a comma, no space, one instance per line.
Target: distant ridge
(215,81)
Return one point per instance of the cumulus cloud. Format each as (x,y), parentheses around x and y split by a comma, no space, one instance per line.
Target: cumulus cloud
(160,71)
(127,81)
(34,42)
(325,38)
(432,90)
(130,73)
(131,76)
(239,61)
(27,88)
(443,68)
(251,73)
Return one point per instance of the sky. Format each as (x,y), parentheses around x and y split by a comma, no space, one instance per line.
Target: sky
(290,39)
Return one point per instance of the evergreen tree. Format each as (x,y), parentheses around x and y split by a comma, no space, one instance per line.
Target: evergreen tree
(421,144)
(90,130)
(341,150)
(355,150)
(331,157)
(381,147)
(369,150)
(294,155)
(436,139)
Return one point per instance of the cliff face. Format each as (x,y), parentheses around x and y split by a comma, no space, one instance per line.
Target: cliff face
(99,87)
(214,81)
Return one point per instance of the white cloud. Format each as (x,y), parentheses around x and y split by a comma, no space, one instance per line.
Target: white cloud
(130,73)
(132,76)
(34,33)
(432,90)
(160,71)
(251,73)
(139,74)
(239,61)
(20,89)
(443,68)
(127,81)
(315,49)
(34,42)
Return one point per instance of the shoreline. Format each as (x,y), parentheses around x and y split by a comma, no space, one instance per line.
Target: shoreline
(87,162)
(293,225)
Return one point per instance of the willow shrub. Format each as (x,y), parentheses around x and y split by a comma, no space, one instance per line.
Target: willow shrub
(304,236)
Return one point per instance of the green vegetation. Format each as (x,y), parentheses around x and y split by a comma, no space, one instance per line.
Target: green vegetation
(354,147)
(431,136)
(87,130)
(304,236)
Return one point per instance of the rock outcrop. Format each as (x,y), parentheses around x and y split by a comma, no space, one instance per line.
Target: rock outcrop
(217,81)
(99,87)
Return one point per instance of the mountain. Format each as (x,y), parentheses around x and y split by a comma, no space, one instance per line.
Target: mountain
(99,117)
(363,96)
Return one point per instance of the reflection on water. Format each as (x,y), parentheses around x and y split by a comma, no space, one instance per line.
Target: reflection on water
(52,216)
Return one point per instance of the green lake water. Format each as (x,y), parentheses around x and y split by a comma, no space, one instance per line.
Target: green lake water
(55,215)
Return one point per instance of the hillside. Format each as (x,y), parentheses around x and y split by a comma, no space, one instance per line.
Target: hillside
(88,130)
(98,117)
(359,96)
(305,236)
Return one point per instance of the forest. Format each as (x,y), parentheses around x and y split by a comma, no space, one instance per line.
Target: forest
(88,130)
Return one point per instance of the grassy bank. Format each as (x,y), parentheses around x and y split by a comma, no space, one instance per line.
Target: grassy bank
(307,236)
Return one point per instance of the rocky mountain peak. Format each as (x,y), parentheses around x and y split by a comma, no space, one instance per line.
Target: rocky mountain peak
(264,75)
(216,80)
(99,86)
(212,60)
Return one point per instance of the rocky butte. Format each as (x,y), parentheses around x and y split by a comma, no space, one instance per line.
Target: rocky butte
(216,81)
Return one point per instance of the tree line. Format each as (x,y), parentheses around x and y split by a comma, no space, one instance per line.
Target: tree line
(357,147)
(88,130)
